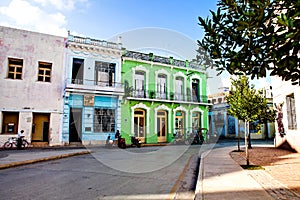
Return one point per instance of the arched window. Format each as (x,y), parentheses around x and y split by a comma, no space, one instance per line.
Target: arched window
(179,88)
(195,90)
(161,87)
(139,84)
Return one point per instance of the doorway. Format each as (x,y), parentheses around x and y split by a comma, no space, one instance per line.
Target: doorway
(40,127)
(75,124)
(162,126)
(139,124)
(77,71)
(179,123)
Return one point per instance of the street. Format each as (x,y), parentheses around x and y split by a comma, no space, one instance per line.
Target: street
(134,173)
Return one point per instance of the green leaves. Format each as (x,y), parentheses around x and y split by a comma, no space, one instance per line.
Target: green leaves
(251,36)
(246,103)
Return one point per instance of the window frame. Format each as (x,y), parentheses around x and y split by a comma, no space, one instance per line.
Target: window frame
(291,112)
(15,116)
(44,67)
(99,112)
(161,89)
(107,68)
(15,66)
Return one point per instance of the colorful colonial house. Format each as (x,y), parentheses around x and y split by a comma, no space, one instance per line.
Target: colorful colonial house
(163,96)
(93,90)
(31,82)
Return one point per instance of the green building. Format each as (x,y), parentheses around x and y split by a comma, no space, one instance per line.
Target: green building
(162,96)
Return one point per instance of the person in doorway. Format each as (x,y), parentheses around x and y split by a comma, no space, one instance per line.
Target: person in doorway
(19,141)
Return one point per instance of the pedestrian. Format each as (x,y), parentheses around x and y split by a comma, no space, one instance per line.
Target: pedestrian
(19,141)
(117,135)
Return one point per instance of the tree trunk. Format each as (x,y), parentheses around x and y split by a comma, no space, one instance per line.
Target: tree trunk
(249,140)
(246,143)
(239,135)
(266,130)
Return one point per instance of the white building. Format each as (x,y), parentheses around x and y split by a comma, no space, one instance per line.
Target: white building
(93,90)
(286,97)
(31,80)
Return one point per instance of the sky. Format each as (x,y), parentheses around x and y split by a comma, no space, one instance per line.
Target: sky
(168,26)
(102,19)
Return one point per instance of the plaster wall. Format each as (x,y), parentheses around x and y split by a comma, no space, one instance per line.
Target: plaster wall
(281,89)
(28,95)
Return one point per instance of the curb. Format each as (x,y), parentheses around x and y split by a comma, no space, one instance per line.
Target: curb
(199,185)
(27,162)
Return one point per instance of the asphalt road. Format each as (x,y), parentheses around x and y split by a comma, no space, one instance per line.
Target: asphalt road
(134,173)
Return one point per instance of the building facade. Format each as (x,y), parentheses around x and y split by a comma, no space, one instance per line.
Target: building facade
(31,85)
(163,96)
(93,90)
(287,102)
(224,125)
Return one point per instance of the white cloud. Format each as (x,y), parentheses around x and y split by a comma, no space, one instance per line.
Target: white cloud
(61,4)
(22,14)
(21,11)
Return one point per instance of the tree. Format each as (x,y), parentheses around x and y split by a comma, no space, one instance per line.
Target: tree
(247,104)
(251,37)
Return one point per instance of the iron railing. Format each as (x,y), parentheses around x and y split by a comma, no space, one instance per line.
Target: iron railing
(96,83)
(163,60)
(172,96)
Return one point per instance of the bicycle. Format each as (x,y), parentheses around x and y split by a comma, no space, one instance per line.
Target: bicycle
(13,141)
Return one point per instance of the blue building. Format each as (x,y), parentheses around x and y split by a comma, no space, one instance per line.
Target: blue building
(93,90)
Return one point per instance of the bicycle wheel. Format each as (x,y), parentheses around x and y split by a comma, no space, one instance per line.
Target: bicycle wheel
(24,144)
(7,145)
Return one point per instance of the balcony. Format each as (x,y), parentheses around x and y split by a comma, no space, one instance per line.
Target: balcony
(92,86)
(172,97)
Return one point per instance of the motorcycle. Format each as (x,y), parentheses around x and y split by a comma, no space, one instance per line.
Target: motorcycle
(135,142)
(194,138)
(121,142)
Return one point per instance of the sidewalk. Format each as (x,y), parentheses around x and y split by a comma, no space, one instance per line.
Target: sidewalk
(221,177)
(13,158)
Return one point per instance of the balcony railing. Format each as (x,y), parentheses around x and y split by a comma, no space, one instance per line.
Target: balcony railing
(88,82)
(94,42)
(177,97)
(163,60)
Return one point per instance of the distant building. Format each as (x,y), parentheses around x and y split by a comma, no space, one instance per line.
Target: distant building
(287,102)
(220,123)
(93,90)
(163,96)
(31,80)
(224,125)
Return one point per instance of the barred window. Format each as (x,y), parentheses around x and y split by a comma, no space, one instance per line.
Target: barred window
(291,112)
(44,74)
(105,73)
(15,68)
(104,120)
